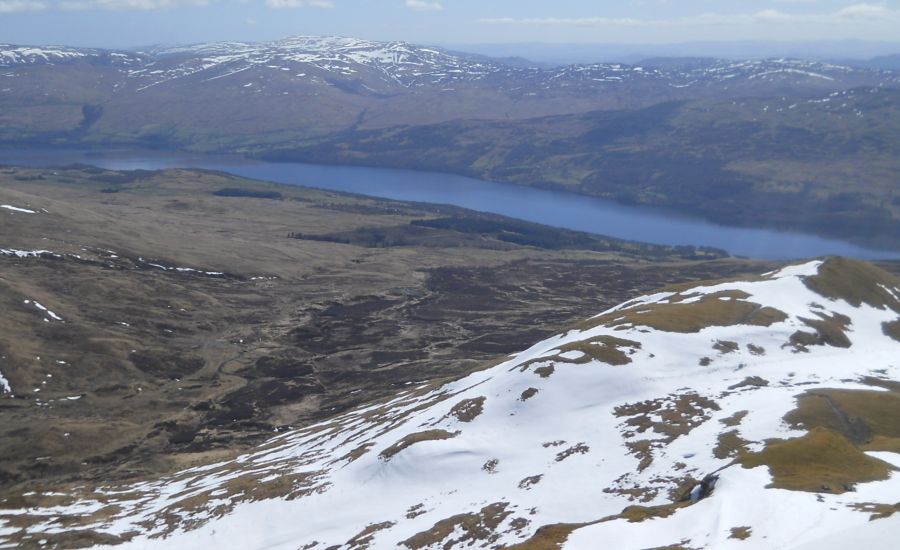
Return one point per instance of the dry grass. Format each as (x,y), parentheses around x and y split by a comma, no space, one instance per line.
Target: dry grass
(371,319)
(415,511)
(356,453)
(726,346)
(412,439)
(878,511)
(545,371)
(195,510)
(730,445)
(735,419)
(643,451)
(821,461)
(859,415)
(756,350)
(548,537)
(679,414)
(750,382)
(472,527)
(709,311)
(528,394)
(468,410)
(577,449)
(637,514)
(530,481)
(892,329)
(740,533)
(855,282)
(801,340)
(364,538)
(552,537)
(830,330)
(602,348)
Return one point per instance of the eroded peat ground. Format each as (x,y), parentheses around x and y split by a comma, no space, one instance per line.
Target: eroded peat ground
(154,320)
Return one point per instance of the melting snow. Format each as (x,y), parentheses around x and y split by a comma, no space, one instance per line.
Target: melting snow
(25,253)
(558,455)
(4,384)
(17,209)
(181,269)
(43,309)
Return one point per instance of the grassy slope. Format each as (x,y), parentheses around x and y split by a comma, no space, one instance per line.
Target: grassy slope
(173,368)
(779,162)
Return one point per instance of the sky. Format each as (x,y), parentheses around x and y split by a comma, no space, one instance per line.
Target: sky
(132,23)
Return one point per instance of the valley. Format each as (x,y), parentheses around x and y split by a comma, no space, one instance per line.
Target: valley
(782,144)
(331,293)
(678,419)
(191,325)
(824,165)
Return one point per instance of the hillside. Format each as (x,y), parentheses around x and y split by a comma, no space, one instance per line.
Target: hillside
(222,96)
(195,313)
(757,412)
(825,164)
(778,143)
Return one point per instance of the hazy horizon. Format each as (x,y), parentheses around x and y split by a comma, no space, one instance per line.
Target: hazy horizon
(133,23)
(559,53)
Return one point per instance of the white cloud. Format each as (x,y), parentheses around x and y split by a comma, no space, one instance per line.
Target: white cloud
(285,4)
(854,13)
(126,5)
(21,6)
(865,11)
(424,5)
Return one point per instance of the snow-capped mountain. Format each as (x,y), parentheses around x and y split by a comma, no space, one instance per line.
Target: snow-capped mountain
(396,62)
(220,95)
(17,56)
(740,414)
(413,66)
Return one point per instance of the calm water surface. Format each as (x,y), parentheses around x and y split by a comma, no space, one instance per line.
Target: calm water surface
(555,208)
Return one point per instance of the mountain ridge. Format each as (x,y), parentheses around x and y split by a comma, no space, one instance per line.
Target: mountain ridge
(304,87)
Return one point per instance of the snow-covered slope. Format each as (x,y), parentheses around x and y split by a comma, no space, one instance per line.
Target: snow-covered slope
(410,66)
(745,414)
(395,62)
(227,95)
(16,56)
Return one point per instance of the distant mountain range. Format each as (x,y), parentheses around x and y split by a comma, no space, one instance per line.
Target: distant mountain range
(790,143)
(555,54)
(221,95)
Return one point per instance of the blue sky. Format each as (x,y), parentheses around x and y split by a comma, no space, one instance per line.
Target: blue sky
(124,23)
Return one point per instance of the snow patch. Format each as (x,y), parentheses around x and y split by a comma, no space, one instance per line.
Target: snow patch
(17,209)
(43,309)
(4,384)
(543,435)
